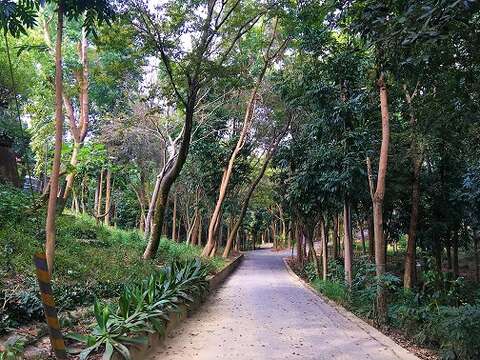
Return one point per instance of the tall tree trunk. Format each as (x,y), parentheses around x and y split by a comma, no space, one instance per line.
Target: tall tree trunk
(347,241)
(50,225)
(410,258)
(108,197)
(78,131)
(378,202)
(409,277)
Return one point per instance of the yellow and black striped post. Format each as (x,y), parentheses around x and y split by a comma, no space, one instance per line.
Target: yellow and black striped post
(56,338)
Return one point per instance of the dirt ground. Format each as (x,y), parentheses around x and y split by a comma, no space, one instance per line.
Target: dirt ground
(262,312)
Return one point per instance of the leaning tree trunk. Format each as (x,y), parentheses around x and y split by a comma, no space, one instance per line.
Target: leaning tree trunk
(168,179)
(50,225)
(378,202)
(228,171)
(250,192)
(247,121)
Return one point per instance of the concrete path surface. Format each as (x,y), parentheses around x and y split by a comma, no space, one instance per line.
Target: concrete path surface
(262,312)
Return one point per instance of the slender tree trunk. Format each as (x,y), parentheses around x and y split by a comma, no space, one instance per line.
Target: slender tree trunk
(476,235)
(97,193)
(75,206)
(409,277)
(200,231)
(299,245)
(151,207)
(324,234)
(347,241)
(410,258)
(378,202)
(449,255)
(195,227)
(50,225)
(174,217)
(308,235)
(455,254)
(251,190)
(108,197)
(371,238)
(364,247)
(79,132)
(82,198)
(335,237)
(100,195)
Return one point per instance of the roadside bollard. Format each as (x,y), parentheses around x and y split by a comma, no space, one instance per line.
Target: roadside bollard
(56,338)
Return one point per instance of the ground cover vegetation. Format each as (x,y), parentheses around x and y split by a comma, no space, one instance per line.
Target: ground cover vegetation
(346,131)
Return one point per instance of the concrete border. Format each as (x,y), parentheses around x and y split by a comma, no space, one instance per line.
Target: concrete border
(155,339)
(398,350)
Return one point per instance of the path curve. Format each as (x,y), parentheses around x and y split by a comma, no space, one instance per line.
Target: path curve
(262,312)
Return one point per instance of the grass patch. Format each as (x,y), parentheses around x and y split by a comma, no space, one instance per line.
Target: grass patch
(332,290)
(91,259)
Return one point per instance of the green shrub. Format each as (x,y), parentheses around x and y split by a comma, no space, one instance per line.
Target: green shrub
(143,307)
(13,204)
(456,330)
(334,291)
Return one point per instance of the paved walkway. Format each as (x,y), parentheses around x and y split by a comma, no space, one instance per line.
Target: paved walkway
(262,312)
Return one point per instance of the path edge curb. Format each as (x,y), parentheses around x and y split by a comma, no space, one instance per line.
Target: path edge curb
(397,349)
(176,318)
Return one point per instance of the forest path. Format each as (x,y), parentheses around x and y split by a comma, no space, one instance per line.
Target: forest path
(262,312)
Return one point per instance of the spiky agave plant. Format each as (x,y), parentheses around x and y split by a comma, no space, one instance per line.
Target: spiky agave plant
(144,308)
(111,332)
